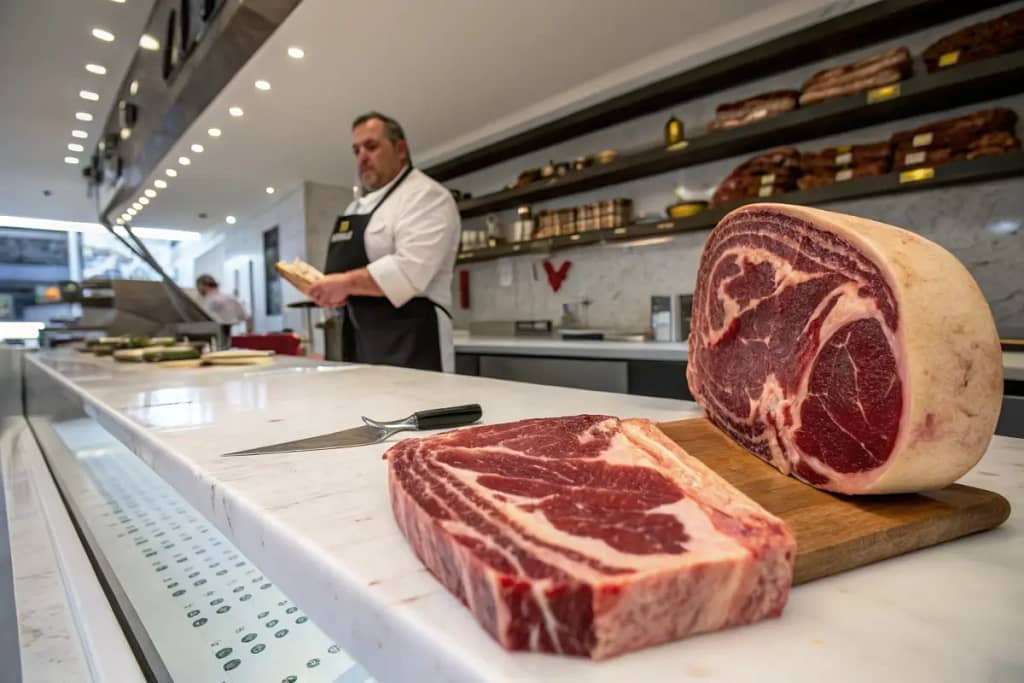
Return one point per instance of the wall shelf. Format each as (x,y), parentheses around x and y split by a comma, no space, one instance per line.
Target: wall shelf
(959,86)
(881,21)
(954,173)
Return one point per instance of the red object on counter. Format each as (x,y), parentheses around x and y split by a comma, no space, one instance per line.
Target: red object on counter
(464,288)
(285,343)
(557,277)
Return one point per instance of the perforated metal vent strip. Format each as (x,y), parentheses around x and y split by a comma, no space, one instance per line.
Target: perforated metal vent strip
(210,613)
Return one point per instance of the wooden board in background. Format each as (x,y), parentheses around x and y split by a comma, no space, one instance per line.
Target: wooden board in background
(836,533)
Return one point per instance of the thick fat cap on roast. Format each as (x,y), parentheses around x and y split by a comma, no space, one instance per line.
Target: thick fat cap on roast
(859,357)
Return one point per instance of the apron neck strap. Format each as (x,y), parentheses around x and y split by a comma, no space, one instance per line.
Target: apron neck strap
(394,187)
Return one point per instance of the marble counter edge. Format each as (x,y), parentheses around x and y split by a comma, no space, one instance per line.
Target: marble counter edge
(249,527)
(95,644)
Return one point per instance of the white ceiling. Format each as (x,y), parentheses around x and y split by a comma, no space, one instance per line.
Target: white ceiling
(450,70)
(44,47)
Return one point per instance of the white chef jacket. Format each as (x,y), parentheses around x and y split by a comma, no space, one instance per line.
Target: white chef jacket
(411,243)
(224,308)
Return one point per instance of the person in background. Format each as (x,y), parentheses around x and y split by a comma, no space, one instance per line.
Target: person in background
(391,256)
(222,307)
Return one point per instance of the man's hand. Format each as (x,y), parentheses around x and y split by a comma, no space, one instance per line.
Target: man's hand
(331,290)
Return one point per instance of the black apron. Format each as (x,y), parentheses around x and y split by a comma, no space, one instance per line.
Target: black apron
(373,330)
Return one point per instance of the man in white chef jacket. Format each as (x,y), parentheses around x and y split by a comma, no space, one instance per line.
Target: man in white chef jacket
(391,256)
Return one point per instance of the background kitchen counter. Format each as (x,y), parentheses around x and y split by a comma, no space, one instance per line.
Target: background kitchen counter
(319,525)
(644,368)
(1013,362)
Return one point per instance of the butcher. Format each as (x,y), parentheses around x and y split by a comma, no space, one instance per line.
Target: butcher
(391,256)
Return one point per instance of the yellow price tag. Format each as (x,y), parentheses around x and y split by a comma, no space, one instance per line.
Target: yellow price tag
(665,226)
(619,231)
(678,146)
(922,140)
(574,237)
(886,92)
(917,175)
(949,59)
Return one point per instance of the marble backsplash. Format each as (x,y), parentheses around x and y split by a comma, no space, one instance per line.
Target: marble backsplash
(981,224)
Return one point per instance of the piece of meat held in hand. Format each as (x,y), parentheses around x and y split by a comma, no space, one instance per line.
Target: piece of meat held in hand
(587,535)
(858,357)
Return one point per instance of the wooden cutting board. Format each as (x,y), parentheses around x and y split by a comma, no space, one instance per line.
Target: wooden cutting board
(835,533)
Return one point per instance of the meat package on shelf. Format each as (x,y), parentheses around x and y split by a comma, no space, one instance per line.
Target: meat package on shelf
(734,114)
(983,133)
(836,164)
(886,68)
(768,174)
(976,42)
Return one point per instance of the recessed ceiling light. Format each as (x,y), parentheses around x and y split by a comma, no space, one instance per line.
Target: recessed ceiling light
(150,193)
(184,161)
(97,69)
(75,147)
(143,200)
(236,111)
(80,134)
(160,183)
(137,206)
(125,216)
(103,34)
(70,160)
(270,190)
(296,52)
(120,2)
(133,88)
(171,173)
(197,148)
(83,116)
(119,221)
(131,210)
(214,132)
(88,95)
(126,133)
(262,85)
(230,220)
(148,42)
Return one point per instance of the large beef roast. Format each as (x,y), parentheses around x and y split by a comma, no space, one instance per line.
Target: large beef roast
(856,356)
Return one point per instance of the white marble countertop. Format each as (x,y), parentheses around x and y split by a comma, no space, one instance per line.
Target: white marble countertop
(319,524)
(1013,362)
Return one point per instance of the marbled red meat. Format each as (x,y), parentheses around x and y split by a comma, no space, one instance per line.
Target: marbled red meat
(587,535)
(858,357)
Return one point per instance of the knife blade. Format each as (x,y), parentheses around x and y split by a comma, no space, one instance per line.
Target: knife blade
(373,431)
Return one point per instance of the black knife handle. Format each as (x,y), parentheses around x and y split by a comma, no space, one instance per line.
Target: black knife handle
(441,418)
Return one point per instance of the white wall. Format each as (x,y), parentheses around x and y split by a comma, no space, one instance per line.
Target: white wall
(304,217)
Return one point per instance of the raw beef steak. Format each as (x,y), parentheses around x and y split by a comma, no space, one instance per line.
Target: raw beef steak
(587,535)
(859,357)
